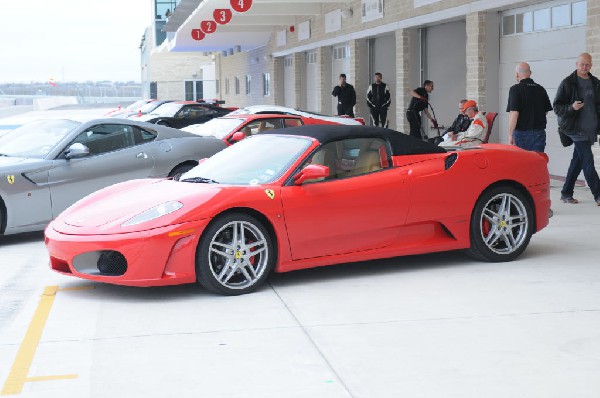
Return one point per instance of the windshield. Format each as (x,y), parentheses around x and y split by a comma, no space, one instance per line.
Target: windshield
(150,106)
(36,139)
(218,127)
(257,160)
(168,109)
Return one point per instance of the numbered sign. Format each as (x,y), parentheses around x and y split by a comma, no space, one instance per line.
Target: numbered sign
(208,26)
(197,34)
(241,5)
(222,15)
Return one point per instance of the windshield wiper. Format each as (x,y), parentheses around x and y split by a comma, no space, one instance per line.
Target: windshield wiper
(201,180)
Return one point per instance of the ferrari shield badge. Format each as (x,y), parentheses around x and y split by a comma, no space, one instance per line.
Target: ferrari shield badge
(270,193)
(11,180)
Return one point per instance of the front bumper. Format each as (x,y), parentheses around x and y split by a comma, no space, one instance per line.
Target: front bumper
(157,257)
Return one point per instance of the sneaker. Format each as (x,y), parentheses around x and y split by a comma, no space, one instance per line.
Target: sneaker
(569,199)
(551,213)
(598,201)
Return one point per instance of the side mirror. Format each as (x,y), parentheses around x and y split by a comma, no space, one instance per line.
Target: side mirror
(238,136)
(311,172)
(77,150)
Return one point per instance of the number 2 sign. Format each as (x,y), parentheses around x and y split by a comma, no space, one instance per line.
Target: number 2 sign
(241,5)
(222,15)
(208,26)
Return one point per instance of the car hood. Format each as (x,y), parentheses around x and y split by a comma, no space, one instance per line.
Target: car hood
(12,164)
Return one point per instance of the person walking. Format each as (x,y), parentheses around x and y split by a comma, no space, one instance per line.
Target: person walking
(378,100)
(577,105)
(528,104)
(346,96)
(418,103)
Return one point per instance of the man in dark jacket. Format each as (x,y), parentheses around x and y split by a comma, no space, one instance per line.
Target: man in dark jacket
(418,103)
(378,100)
(577,105)
(346,97)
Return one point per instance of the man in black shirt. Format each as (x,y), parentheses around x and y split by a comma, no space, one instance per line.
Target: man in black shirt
(528,104)
(418,103)
(346,97)
(462,121)
(378,100)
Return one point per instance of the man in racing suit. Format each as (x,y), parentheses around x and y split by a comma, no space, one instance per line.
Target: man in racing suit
(476,131)
(378,100)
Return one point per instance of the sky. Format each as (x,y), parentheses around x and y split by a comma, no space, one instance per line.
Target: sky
(72,40)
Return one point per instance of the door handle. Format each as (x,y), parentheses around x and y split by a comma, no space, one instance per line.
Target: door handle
(141,155)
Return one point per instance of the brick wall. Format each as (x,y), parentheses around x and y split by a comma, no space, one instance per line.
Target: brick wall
(476,58)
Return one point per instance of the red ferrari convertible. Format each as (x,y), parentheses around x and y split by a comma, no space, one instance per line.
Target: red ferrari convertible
(314,196)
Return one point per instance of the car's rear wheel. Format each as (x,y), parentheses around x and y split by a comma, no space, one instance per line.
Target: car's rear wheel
(235,255)
(501,225)
(182,168)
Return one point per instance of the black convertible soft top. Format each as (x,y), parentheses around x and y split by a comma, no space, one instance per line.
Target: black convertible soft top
(401,144)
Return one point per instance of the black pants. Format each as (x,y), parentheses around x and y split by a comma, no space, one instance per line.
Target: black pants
(379,115)
(345,110)
(414,119)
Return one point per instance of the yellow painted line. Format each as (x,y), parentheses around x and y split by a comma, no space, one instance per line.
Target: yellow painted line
(20,368)
(46,378)
(67,289)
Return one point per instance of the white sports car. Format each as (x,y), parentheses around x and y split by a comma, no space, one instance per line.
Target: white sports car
(282,110)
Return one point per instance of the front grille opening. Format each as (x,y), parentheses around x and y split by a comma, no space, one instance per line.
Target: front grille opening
(102,262)
(59,265)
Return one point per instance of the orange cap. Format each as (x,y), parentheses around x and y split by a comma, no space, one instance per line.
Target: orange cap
(469,104)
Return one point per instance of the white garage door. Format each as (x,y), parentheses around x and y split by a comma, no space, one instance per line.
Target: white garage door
(289,94)
(549,36)
(340,63)
(311,82)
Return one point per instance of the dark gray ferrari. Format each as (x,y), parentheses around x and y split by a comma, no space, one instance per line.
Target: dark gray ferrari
(47,165)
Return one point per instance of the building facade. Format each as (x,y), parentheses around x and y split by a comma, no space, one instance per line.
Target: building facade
(291,53)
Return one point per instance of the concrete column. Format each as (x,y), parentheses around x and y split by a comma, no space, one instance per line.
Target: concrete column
(402,78)
(277,81)
(355,73)
(298,65)
(476,57)
(323,93)
(592,32)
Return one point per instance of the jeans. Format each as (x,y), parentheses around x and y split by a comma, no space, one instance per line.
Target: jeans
(530,140)
(583,159)
(414,120)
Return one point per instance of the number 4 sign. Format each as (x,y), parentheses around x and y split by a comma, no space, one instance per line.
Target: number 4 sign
(241,5)
(222,15)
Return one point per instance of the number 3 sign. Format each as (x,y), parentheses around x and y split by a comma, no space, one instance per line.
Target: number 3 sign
(222,15)
(241,5)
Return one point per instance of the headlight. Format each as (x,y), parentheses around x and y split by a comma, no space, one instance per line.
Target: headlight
(155,212)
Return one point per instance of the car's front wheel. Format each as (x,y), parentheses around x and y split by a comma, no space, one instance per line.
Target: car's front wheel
(235,255)
(501,225)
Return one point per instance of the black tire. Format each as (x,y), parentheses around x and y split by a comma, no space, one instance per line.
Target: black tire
(229,265)
(501,225)
(179,170)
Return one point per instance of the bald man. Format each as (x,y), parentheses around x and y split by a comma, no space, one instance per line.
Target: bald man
(577,105)
(528,104)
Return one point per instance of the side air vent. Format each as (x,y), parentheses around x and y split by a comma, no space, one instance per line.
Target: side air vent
(449,161)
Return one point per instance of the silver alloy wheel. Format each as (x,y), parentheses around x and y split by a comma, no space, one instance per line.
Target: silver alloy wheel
(504,223)
(238,254)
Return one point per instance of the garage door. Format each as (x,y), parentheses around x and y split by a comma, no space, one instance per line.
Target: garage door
(549,36)
(289,97)
(340,63)
(311,82)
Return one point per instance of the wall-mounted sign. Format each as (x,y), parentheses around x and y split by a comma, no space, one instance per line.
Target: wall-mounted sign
(304,30)
(371,10)
(241,5)
(197,34)
(208,26)
(222,16)
(333,21)
(281,38)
